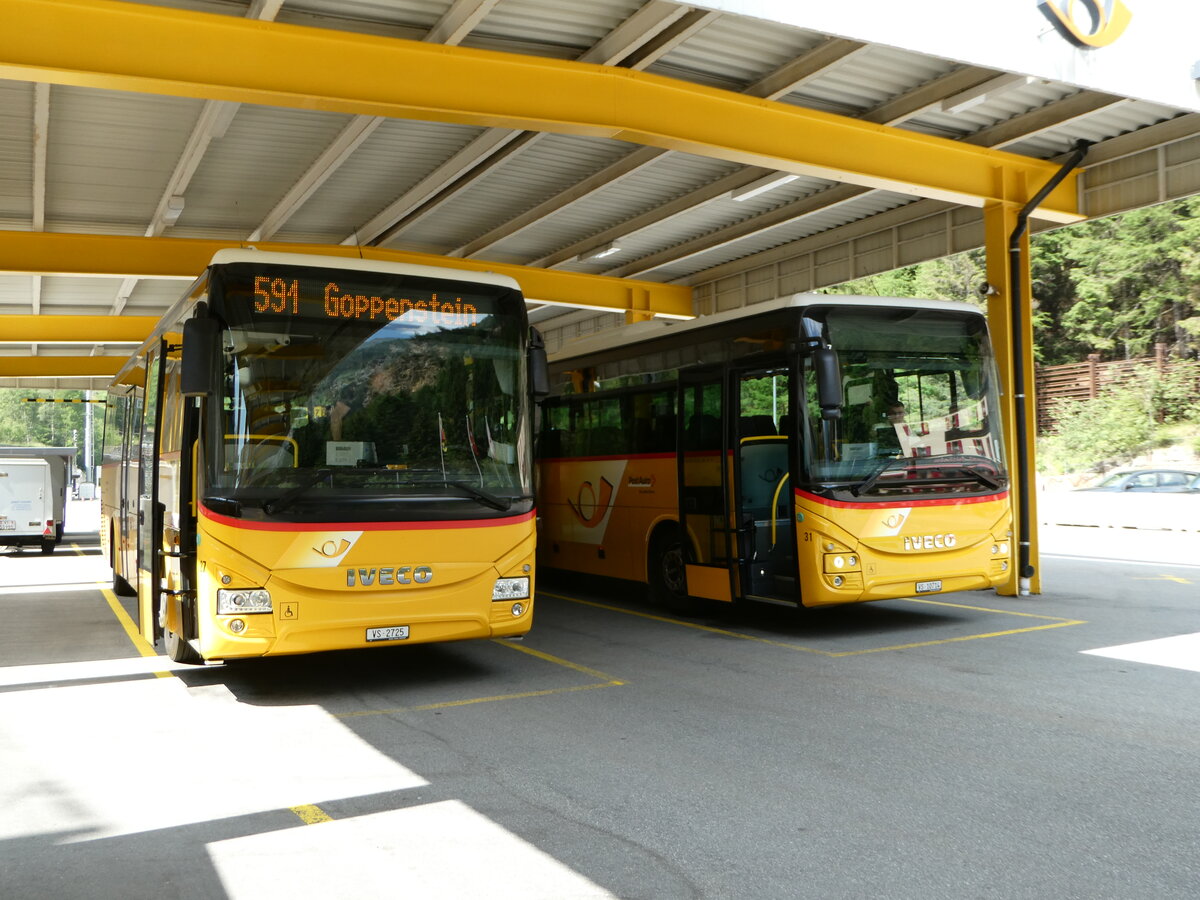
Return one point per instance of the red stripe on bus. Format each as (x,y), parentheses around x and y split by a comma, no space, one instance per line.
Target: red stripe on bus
(363,526)
(898,504)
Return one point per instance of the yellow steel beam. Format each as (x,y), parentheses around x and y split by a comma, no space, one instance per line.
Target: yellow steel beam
(59,366)
(76,329)
(152,49)
(44,253)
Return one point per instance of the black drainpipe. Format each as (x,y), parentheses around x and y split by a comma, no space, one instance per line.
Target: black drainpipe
(1025,570)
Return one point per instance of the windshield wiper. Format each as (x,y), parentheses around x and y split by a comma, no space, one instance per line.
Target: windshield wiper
(488,499)
(982,477)
(919,476)
(869,482)
(288,497)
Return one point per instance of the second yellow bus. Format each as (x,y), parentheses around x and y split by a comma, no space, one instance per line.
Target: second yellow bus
(809,451)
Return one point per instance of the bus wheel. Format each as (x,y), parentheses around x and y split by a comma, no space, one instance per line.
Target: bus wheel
(48,545)
(668,585)
(181,651)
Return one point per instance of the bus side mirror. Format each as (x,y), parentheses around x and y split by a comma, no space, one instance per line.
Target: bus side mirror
(829,382)
(199,349)
(539,367)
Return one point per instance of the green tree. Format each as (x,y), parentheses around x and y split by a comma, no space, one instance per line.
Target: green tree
(1091,433)
(27,424)
(896,283)
(1122,284)
(1116,286)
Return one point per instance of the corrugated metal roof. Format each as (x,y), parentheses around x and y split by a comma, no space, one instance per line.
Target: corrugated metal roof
(390,162)
(16,154)
(111,156)
(736,52)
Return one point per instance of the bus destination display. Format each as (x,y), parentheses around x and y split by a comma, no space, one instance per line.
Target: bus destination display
(273,294)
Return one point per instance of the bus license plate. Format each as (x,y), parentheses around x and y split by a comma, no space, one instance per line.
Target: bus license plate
(928,587)
(391,633)
(8,524)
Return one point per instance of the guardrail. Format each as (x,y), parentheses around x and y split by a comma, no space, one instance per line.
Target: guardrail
(1120,509)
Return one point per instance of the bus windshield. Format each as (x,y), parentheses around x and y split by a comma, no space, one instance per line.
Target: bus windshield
(920,414)
(348,395)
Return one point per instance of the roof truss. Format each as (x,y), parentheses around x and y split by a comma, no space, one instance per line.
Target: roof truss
(96,43)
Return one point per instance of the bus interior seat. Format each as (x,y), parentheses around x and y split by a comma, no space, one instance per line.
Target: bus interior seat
(756,426)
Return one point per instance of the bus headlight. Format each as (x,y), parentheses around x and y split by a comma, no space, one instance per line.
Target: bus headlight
(511,588)
(253,600)
(841,562)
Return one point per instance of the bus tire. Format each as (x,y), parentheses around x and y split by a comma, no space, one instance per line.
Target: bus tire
(181,651)
(668,583)
(48,545)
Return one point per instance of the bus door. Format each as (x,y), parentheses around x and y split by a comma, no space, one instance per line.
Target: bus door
(149,509)
(125,534)
(763,505)
(703,485)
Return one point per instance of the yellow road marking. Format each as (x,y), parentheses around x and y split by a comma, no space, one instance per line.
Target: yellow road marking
(1057,623)
(694,626)
(604,682)
(558,661)
(473,700)
(966,637)
(131,631)
(1174,578)
(1003,612)
(311,815)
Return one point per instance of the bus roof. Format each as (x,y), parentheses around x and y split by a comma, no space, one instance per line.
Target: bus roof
(656,328)
(360,264)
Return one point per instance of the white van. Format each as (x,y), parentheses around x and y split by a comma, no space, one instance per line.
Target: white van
(27,504)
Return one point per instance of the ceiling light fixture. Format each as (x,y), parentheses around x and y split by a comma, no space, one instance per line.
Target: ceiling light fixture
(173,210)
(981,93)
(769,183)
(600,252)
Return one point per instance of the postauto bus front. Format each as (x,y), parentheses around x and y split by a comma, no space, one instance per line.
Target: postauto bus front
(365,469)
(903,484)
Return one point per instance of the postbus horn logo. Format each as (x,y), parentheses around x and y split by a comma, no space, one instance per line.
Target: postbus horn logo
(1089,23)
(590,507)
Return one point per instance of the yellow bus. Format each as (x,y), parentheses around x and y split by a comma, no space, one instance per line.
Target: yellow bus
(807,451)
(314,453)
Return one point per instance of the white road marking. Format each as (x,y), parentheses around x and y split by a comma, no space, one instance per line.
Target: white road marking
(434,851)
(1179,652)
(102,759)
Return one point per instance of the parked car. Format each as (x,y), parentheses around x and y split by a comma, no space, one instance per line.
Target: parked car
(1163,481)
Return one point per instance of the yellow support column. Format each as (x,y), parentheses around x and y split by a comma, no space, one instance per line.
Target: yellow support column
(1000,221)
(639,306)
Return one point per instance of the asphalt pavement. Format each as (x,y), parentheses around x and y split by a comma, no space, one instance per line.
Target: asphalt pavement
(949,746)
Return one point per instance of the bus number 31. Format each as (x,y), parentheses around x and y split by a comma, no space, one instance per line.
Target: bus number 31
(273,294)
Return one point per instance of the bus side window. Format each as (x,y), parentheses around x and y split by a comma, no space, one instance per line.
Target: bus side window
(704,432)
